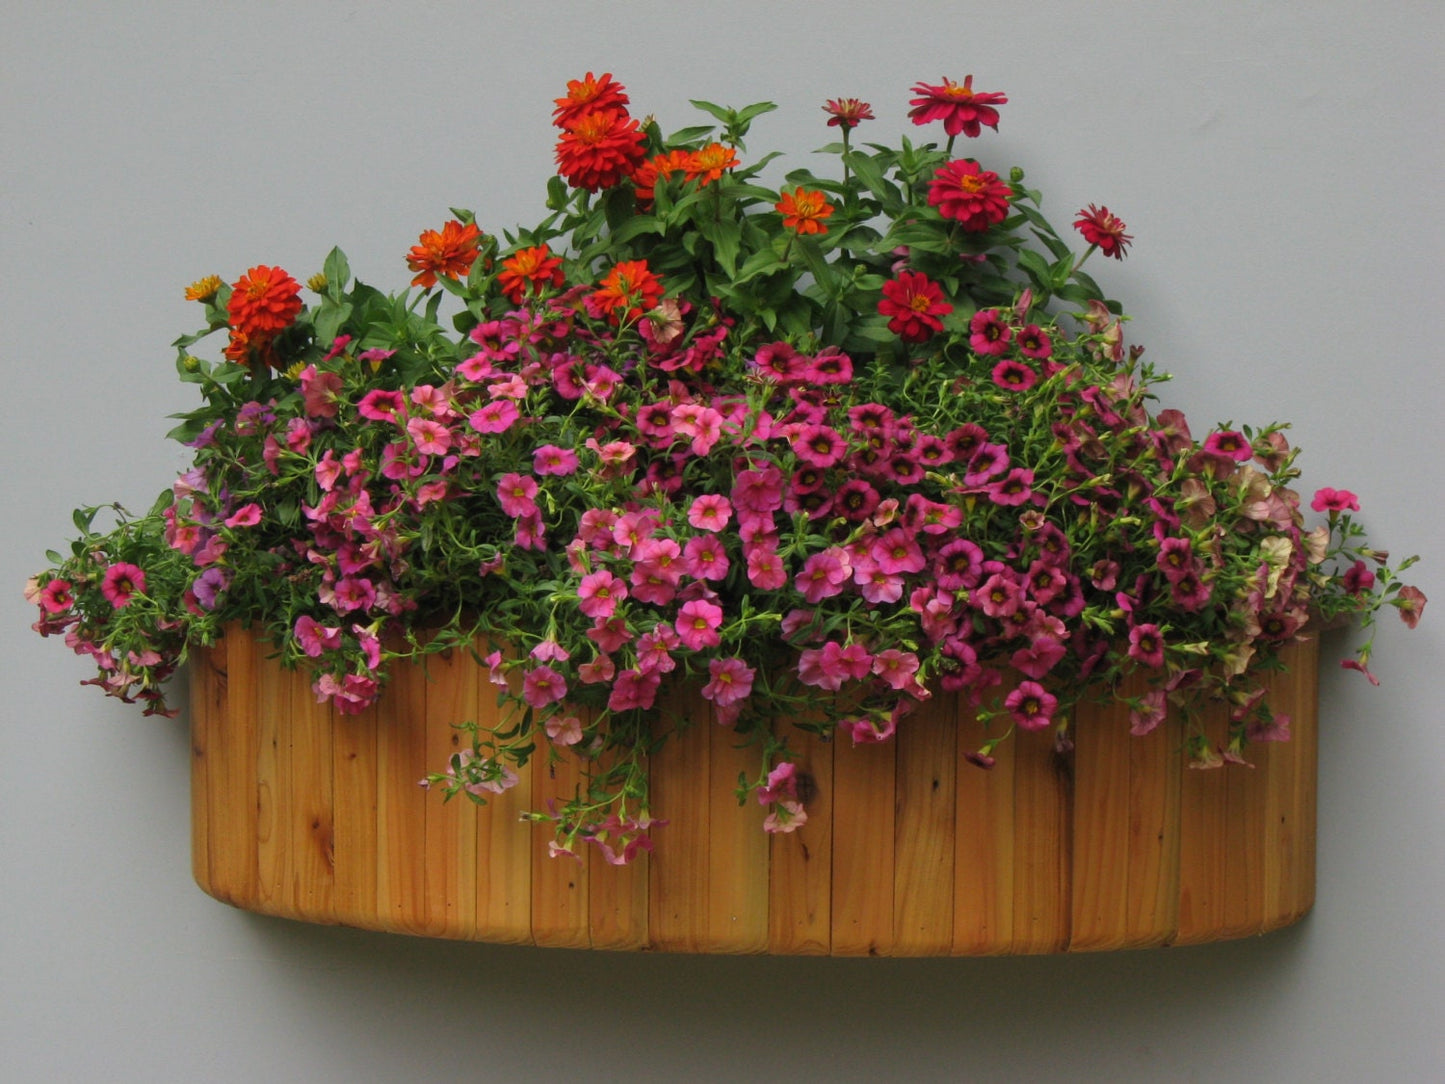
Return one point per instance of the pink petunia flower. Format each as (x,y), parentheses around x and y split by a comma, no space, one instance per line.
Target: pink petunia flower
(516,493)
(709,512)
(1334,500)
(246,516)
(543,685)
(731,681)
(697,624)
(122,582)
(599,593)
(1031,706)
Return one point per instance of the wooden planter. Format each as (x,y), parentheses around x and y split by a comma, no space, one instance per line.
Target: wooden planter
(908,850)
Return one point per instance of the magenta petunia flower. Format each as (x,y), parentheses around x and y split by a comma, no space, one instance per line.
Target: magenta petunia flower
(122,582)
(496,417)
(543,685)
(598,595)
(1014,375)
(1334,500)
(516,493)
(431,437)
(1146,645)
(1031,705)
(989,333)
(823,574)
(705,558)
(381,406)
(709,512)
(246,516)
(1230,444)
(765,568)
(732,681)
(697,624)
(56,596)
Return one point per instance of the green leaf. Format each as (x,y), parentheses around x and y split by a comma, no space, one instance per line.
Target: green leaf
(338,273)
(722,114)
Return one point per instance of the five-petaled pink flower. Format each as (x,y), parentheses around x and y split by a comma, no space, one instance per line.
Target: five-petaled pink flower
(1335,500)
(122,582)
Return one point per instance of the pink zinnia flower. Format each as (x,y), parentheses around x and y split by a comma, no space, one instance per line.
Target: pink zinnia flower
(1335,500)
(962,109)
(973,197)
(122,582)
(1031,705)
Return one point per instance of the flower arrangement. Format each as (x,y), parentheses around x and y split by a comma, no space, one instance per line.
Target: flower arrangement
(822,449)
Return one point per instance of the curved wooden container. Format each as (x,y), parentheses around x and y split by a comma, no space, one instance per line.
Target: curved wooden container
(908,850)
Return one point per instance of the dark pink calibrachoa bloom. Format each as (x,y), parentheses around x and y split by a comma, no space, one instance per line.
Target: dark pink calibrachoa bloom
(1031,705)
(989,333)
(1334,500)
(122,583)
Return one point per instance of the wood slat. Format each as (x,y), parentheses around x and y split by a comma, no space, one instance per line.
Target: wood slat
(504,851)
(312,805)
(737,849)
(863,847)
(1099,891)
(679,871)
(1043,831)
(800,886)
(559,891)
(355,819)
(1203,826)
(1156,767)
(231,774)
(926,811)
(451,827)
(402,902)
(273,782)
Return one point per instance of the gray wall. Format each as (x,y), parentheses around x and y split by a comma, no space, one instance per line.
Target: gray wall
(1280,167)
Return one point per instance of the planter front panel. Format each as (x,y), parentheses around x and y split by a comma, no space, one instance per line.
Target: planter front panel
(909,849)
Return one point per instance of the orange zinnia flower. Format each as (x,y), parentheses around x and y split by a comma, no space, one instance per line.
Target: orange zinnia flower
(450,252)
(803,210)
(529,267)
(658,167)
(630,287)
(708,164)
(586,96)
(264,300)
(600,150)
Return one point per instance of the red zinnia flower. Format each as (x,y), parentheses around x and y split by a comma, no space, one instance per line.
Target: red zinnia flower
(600,150)
(804,210)
(264,300)
(450,252)
(960,109)
(914,303)
(708,164)
(586,96)
(847,112)
(1101,228)
(627,291)
(972,196)
(535,268)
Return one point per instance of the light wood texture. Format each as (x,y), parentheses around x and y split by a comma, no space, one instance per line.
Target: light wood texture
(909,847)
